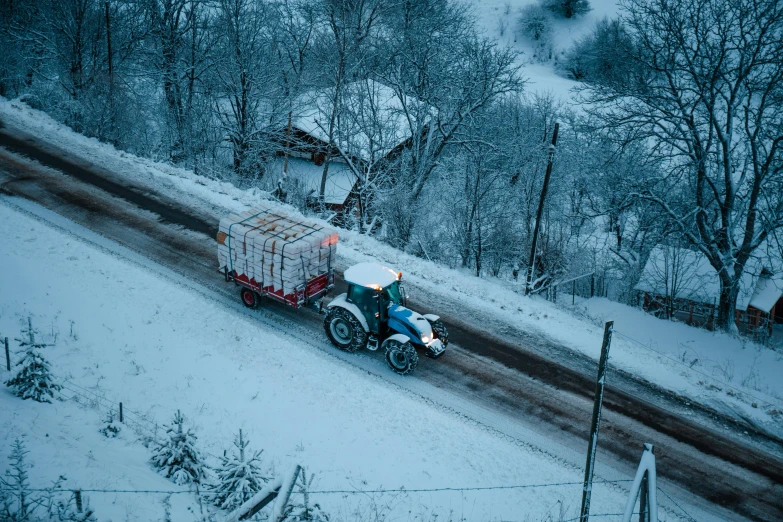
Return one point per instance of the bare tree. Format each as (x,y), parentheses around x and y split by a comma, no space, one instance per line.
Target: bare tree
(711,114)
(180,42)
(241,75)
(444,75)
(351,26)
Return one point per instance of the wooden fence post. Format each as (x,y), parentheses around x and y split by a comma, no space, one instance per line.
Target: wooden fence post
(593,441)
(121,419)
(7,356)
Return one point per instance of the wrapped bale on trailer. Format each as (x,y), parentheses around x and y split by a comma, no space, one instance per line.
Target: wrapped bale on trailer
(269,253)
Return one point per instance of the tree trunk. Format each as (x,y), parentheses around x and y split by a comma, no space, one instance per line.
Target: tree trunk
(727,305)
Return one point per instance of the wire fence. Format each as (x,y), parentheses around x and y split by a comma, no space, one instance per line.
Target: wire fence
(149,428)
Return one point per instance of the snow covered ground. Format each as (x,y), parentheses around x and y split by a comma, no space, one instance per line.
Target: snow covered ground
(134,333)
(498,19)
(660,357)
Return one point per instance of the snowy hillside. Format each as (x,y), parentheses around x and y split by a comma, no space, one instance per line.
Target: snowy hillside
(499,20)
(161,346)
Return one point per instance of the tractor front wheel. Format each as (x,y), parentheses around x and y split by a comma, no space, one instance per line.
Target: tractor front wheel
(249,297)
(440,331)
(402,357)
(344,330)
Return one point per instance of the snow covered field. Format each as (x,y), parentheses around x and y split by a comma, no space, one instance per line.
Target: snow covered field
(731,373)
(130,333)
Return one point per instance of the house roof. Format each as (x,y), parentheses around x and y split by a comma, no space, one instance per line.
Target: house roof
(371,121)
(339,182)
(687,274)
(768,291)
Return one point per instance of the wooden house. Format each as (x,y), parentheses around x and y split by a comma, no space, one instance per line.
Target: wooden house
(681,283)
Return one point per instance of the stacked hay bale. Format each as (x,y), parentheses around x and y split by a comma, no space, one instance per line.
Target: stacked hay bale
(274,251)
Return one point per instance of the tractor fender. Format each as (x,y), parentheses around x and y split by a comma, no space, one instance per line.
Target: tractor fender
(341,301)
(400,338)
(432,317)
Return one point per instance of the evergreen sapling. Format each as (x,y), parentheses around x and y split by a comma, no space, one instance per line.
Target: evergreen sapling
(303,510)
(33,380)
(177,457)
(111,430)
(239,476)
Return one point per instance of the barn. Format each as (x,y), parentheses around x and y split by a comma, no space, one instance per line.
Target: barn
(680,283)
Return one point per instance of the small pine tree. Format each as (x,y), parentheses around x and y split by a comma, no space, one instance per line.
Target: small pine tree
(17,502)
(69,511)
(33,380)
(302,510)
(177,457)
(238,477)
(111,429)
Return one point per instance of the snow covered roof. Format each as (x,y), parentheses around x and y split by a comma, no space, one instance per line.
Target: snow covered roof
(371,275)
(339,181)
(686,274)
(387,125)
(768,291)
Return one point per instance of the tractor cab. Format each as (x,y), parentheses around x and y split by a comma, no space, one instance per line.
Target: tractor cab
(374,289)
(373,313)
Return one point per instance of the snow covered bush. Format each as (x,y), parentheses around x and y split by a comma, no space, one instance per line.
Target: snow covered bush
(299,508)
(69,511)
(15,485)
(567,8)
(239,476)
(535,23)
(177,457)
(603,56)
(111,429)
(33,379)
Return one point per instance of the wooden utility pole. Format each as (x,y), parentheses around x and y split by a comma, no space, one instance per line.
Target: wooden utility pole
(593,441)
(547,175)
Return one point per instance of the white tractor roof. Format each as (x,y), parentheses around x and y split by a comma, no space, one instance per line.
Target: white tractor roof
(371,275)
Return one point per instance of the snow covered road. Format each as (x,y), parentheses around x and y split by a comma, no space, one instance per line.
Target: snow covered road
(549,419)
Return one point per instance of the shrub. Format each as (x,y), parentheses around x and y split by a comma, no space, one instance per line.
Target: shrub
(567,8)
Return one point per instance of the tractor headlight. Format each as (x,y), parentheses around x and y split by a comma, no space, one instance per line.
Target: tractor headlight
(425,339)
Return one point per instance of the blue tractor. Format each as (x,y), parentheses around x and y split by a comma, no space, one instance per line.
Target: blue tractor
(373,314)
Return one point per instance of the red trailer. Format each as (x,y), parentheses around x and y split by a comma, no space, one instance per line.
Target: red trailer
(268,253)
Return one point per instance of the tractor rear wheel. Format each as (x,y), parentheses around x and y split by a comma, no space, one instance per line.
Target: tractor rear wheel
(440,331)
(402,357)
(249,297)
(344,330)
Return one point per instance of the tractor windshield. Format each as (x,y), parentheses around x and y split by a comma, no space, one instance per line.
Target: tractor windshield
(392,293)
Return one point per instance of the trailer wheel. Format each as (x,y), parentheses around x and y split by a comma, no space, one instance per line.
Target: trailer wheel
(249,297)
(440,331)
(344,330)
(402,357)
